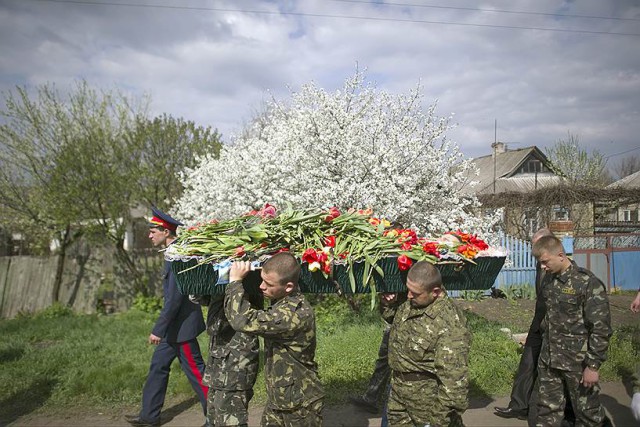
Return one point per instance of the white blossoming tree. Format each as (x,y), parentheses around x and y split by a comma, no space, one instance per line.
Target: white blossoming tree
(357,147)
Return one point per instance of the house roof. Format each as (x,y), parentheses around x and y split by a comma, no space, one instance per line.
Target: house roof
(629,182)
(506,176)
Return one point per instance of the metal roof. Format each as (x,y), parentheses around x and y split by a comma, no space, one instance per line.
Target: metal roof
(506,166)
(630,181)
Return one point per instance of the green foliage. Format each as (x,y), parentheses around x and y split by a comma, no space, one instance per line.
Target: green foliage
(472,295)
(147,304)
(520,292)
(74,165)
(623,354)
(55,310)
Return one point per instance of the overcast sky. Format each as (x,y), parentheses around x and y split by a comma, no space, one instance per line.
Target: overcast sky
(215,62)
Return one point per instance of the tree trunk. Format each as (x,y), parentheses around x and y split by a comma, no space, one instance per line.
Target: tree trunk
(57,282)
(137,278)
(82,260)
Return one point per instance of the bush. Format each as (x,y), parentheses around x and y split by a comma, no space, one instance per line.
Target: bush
(151,305)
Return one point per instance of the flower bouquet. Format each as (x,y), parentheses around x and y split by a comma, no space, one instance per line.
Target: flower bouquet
(350,252)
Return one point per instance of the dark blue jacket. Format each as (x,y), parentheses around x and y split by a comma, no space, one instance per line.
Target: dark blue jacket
(534,337)
(180,320)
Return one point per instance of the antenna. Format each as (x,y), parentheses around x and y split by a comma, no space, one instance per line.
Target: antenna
(495,154)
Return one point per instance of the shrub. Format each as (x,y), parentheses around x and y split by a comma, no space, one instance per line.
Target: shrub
(150,304)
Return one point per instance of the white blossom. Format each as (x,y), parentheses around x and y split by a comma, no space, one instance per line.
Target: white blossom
(356,147)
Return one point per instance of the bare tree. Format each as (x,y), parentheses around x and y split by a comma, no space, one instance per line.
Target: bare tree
(626,166)
(571,160)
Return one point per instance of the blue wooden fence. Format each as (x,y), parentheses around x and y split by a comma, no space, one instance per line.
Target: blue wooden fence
(520,267)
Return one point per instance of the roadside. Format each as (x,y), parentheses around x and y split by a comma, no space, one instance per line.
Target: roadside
(615,398)
(519,312)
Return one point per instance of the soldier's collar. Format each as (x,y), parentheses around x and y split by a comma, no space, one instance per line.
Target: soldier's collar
(564,276)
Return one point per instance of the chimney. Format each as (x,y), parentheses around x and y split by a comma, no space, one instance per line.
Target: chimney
(499,147)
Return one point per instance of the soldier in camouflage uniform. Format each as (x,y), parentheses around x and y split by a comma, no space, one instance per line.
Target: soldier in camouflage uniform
(294,392)
(576,331)
(232,366)
(428,353)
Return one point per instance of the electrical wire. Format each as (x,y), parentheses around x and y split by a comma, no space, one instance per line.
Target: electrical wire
(473,9)
(320,15)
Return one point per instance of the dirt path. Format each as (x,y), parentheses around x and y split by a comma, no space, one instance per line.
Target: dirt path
(519,312)
(614,397)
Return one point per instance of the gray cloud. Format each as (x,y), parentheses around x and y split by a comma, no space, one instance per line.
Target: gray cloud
(216,67)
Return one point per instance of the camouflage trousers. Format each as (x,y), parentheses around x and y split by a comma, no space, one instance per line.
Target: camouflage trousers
(228,408)
(551,398)
(305,416)
(414,403)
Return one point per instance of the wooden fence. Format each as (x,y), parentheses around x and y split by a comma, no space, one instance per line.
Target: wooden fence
(26,282)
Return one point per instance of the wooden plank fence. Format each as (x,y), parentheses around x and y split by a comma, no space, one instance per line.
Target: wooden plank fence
(520,267)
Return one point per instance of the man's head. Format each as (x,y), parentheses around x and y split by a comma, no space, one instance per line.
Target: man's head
(424,284)
(162,228)
(540,233)
(550,253)
(280,275)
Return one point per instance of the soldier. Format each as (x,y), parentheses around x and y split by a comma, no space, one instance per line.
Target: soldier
(174,333)
(576,331)
(523,398)
(294,392)
(428,353)
(232,366)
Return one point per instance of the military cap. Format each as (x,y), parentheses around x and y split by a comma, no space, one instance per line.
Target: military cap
(161,219)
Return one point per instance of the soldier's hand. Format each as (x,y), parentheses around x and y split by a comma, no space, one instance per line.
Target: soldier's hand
(388,298)
(239,270)
(635,305)
(590,377)
(153,339)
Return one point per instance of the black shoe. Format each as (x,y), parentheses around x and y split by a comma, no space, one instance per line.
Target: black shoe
(135,420)
(508,412)
(365,404)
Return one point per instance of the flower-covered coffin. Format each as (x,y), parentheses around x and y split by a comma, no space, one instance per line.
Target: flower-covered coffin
(351,252)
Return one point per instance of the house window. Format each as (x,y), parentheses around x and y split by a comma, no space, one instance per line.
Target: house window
(530,221)
(560,213)
(533,166)
(626,215)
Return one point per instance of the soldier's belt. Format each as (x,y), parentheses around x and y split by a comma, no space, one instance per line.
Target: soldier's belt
(414,376)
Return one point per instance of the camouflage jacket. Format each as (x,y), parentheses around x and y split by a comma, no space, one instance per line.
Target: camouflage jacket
(233,356)
(433,340)
(289,330)
(577,324)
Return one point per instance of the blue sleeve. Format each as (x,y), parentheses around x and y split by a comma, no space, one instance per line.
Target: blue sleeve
(172,302)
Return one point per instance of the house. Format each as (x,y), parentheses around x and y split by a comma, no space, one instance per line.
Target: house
(506,176)
(621,215)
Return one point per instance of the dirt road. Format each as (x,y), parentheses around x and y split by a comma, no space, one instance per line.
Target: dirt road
(614,397)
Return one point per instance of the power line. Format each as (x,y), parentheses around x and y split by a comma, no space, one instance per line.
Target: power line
(622,152)
(320,15)
(514,12)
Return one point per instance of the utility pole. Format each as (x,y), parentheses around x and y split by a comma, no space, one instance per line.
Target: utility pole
(495,153)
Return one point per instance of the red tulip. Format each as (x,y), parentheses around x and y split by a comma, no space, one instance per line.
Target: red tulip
(330,241)
(404,262)
(309,256)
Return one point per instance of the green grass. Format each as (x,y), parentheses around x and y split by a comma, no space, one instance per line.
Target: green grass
(56,360)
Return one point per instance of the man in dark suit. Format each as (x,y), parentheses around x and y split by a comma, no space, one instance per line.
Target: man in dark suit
(175,334)
(522,404)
